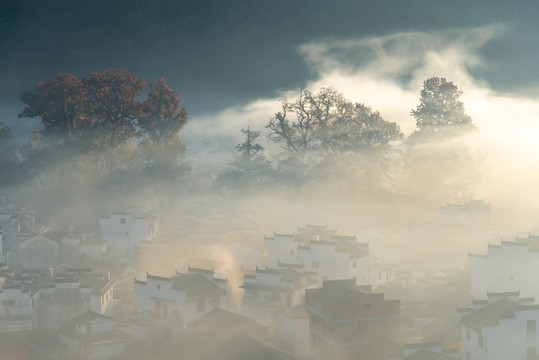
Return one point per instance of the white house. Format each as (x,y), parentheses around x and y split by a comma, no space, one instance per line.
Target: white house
(339,258)
(502,327)
(68,296)
(11,226)
(182,296)
(292,332)
(39,251)
(320,251)
(512,265)
(270,290)
(16,311)
(124,231)
(474,214)
(93,336)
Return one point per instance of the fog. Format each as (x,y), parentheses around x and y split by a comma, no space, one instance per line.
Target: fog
(383,207)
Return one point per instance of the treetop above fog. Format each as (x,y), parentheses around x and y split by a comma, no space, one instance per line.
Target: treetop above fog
(440,111)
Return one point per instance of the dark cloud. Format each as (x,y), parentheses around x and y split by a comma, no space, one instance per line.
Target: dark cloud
(217,54)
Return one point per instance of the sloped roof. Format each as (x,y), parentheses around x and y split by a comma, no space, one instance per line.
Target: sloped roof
(352,249)
(196,285)
(334,292)
(307,235)
(81,261)
(88,316)
(243,346)
(490,314)
(425,354)
(294,276)
(221,322)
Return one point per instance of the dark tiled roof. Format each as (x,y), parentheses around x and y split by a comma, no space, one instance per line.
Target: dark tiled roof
(268,271)
(352,249)
(425,354)
(196,285)
(199,270)
(88,316)
(221,322)
(490,314)
(334,292)
(242,346)
(343,237)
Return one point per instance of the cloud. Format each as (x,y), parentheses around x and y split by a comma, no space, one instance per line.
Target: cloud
(387,73)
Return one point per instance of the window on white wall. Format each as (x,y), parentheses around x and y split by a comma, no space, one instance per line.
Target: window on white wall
(201,305)
(122,220)
(531,327)
(531,353)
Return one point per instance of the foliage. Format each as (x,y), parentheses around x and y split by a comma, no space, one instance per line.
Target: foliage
(250,170)
(328,137)
(100,134)
(441,162)
(440,112)
(8,145)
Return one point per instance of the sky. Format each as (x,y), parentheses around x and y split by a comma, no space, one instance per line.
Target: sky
(232,62)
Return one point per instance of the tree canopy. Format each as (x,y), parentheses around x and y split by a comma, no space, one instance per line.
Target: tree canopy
(440,109)
(250,170)
(441,163)
(100,132)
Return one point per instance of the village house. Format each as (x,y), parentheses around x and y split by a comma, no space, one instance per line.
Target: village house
(40,251)
(270,290)
(10,223)
(66,296)
(503,327)
(44,299)
(474,214)
(93,336)
(428,351)
(2,255)
(16,310)
(47,249)
(345,319)
(226,335)
(126,230)
(509,266)
(185,297)
(322,252)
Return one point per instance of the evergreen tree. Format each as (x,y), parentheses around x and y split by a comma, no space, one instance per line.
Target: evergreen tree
(250,170)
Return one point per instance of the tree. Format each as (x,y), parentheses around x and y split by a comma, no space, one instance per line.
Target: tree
(440,109)
(61,103)
(161,118)
(362,130)
(98,135)
(306,124)
(163,115)
(113,105)
(250,169)
(160,121)
(326,136)
(441,162)
(8,145)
